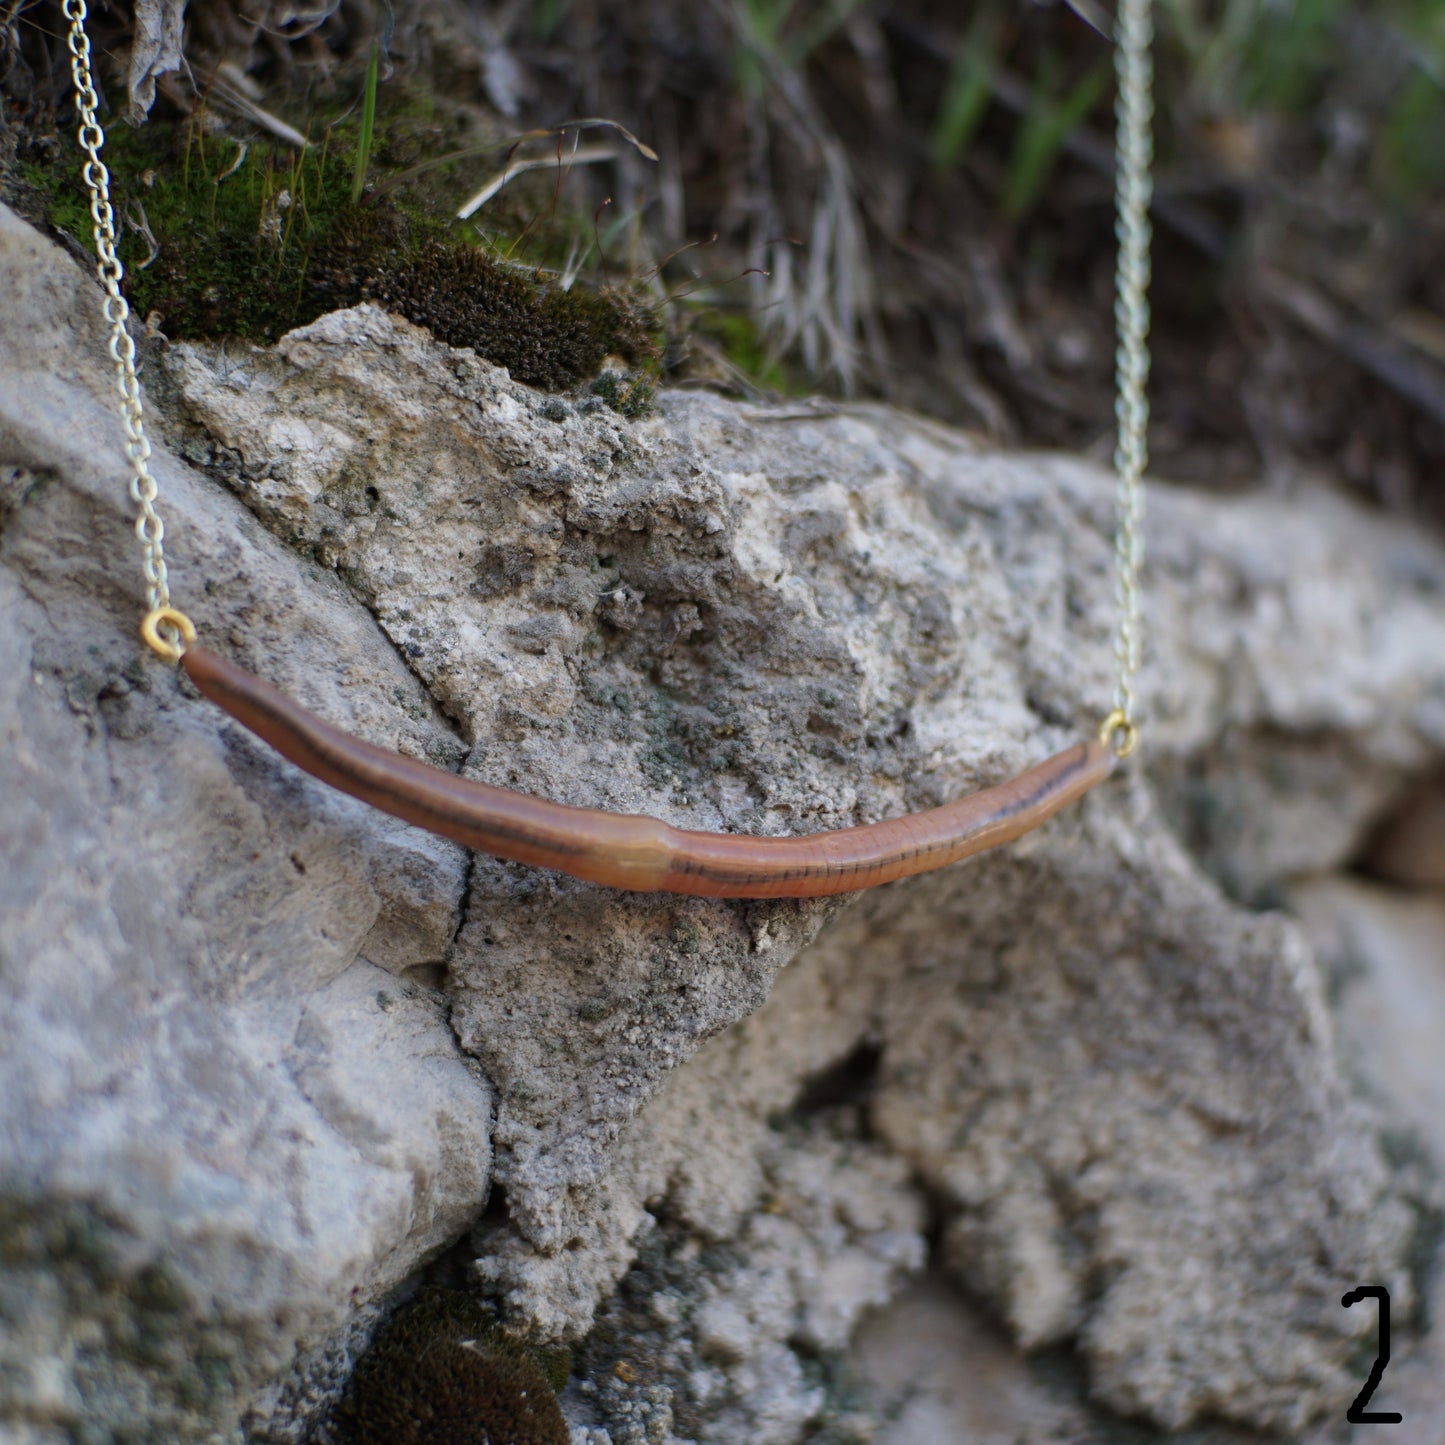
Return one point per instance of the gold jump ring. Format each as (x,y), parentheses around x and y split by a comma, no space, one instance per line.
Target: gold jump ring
(1119,732)
(179,632)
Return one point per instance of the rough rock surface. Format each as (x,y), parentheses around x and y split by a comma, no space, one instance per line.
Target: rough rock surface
(1383,953)
(224,1106)
(1111,1089)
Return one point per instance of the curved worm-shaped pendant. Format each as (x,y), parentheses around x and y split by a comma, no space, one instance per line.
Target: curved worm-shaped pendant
(638,853)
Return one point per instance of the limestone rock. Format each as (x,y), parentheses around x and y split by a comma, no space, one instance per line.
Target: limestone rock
(1384,954)
(227,1114)
(728,1338)
(1114,1083)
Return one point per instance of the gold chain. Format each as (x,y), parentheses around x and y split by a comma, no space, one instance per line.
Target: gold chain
(165,629)
(1133,188)
(168,631)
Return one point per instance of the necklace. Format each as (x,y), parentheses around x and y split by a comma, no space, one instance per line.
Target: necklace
(629,851)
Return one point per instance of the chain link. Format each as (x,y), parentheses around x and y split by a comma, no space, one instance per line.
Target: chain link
(1134,187)
(148,525)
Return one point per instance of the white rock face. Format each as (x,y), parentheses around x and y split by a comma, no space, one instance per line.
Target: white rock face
(227,1114)
(1383,951)
(273,1049)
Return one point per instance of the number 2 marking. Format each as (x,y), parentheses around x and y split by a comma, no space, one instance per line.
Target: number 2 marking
(1357,1414)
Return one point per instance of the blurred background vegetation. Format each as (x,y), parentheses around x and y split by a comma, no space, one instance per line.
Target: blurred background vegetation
(906,199)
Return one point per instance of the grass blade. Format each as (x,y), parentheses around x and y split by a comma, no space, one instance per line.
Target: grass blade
(368,127)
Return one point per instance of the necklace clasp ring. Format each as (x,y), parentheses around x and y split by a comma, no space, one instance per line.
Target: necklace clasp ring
(168,631)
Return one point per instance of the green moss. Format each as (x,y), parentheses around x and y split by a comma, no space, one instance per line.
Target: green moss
(441,1373)
(251,239)
(555,1362)
(740,339)
(543,335)
(629,396)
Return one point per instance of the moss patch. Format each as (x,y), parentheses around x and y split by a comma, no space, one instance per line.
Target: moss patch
(544,335)
(738,337)
(251,238)
(629,396)
(441,1373)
